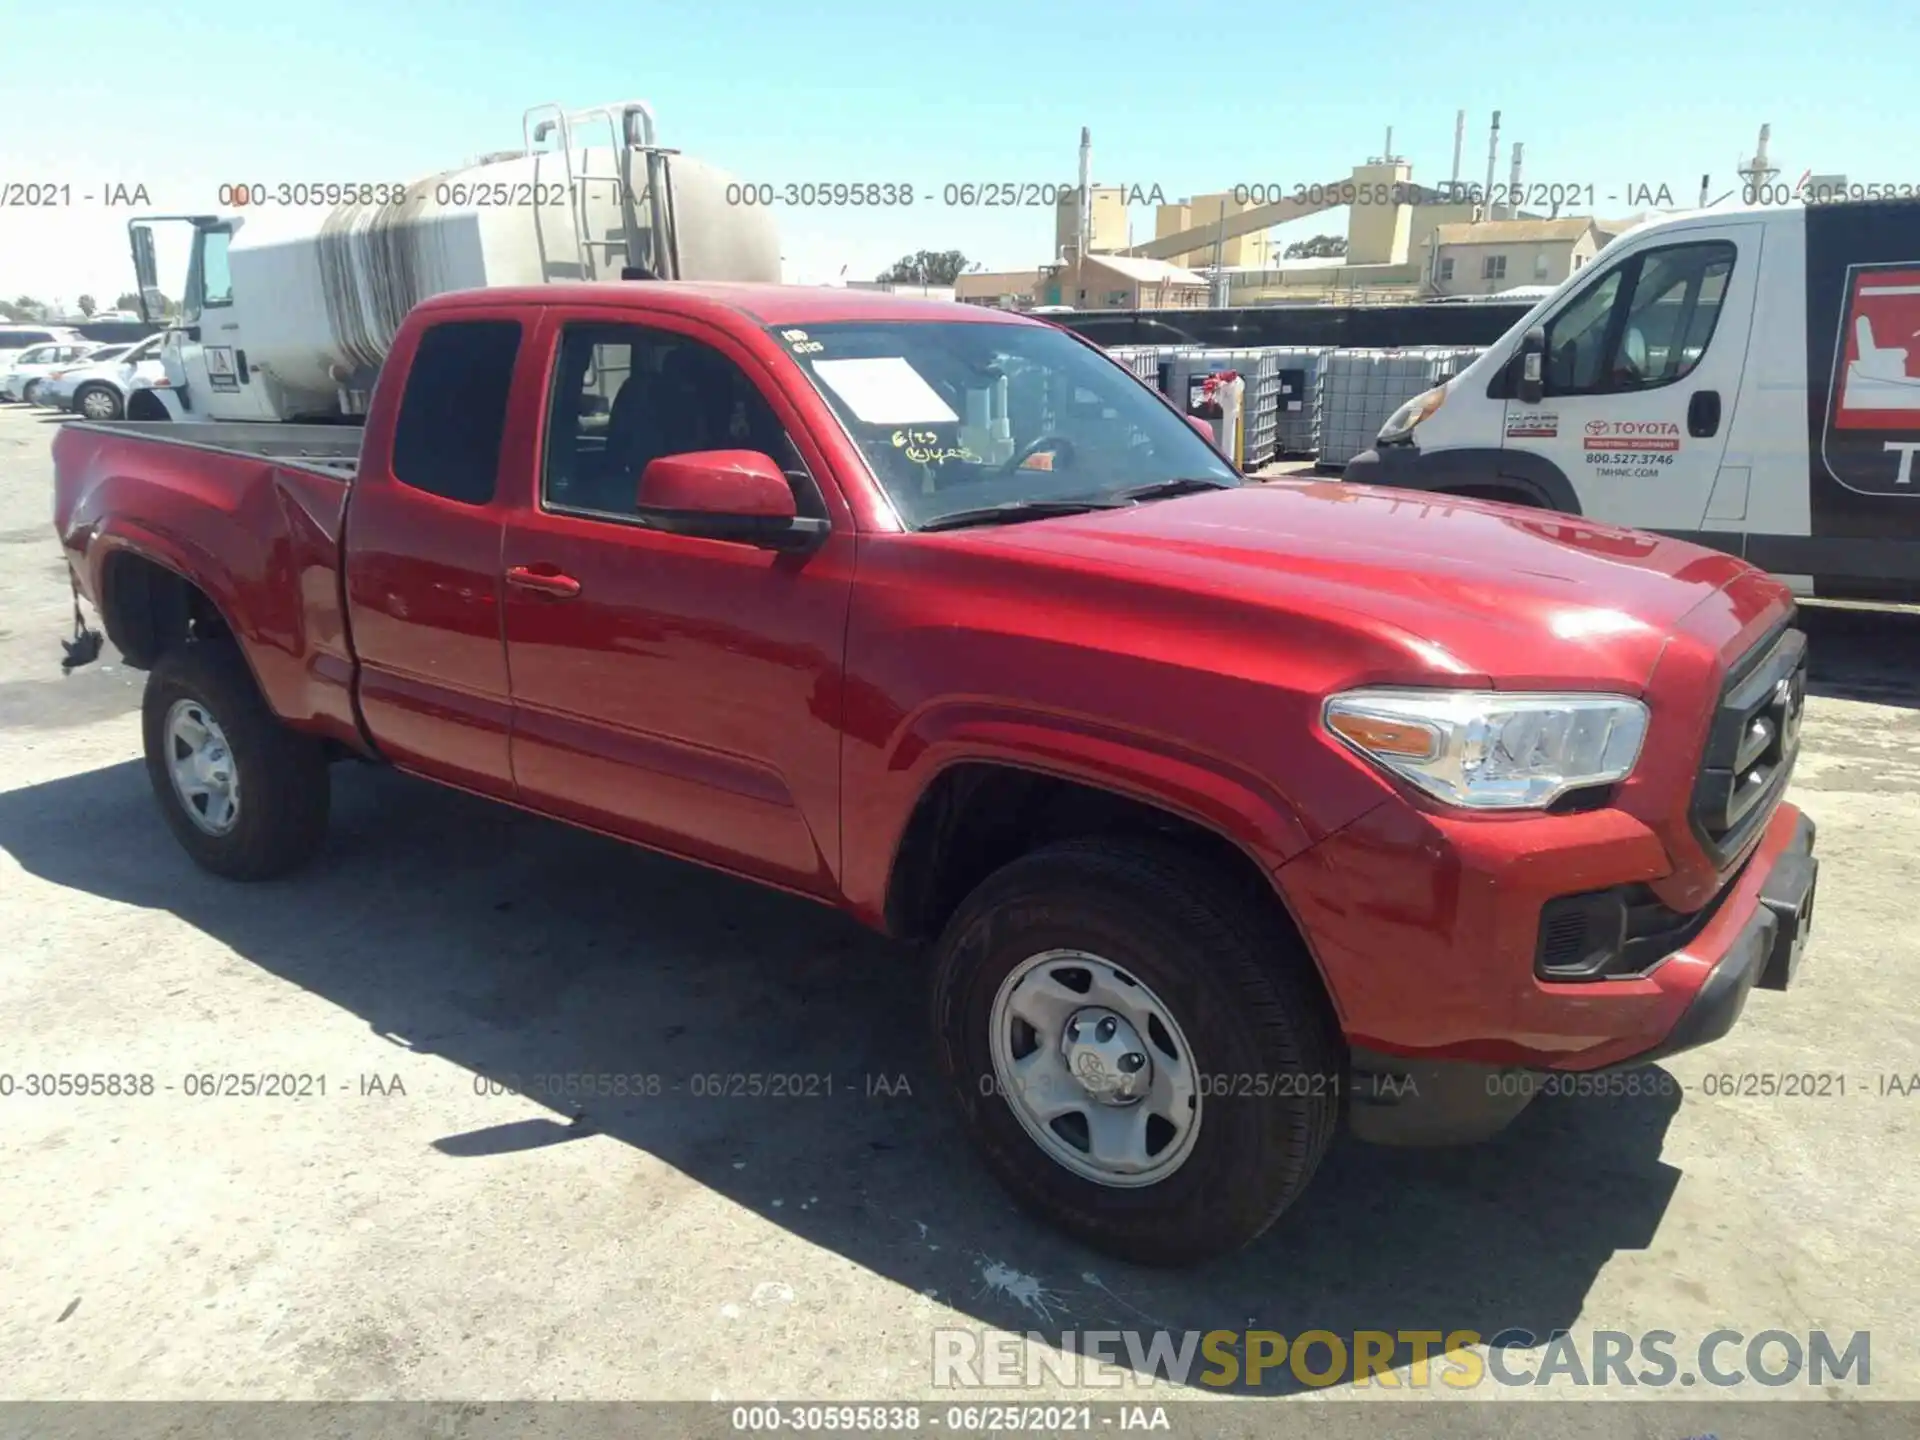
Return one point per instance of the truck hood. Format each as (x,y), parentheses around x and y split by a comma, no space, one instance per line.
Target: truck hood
(1462,588)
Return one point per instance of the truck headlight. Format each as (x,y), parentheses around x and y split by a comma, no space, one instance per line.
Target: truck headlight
(1403,421)
(1489,750)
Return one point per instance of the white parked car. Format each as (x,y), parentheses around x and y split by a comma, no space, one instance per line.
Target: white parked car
(97,387)
(28,370)
(15,338)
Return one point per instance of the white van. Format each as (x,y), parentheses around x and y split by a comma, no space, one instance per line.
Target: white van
(1746,379)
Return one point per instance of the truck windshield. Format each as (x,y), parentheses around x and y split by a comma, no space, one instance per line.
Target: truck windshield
(1017,420)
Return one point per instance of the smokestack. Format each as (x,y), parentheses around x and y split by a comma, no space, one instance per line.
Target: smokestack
(1513,184)
(1705,182)
(1493,159)
(1083,236)
(1459,140)
(1388,156)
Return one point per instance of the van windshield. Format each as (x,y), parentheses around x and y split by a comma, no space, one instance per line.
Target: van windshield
(960,417)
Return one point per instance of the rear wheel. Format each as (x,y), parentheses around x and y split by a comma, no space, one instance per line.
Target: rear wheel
(1141,1052)
(246,796)
(98,402)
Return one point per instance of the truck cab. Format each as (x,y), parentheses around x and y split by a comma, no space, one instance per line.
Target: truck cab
(1741,379)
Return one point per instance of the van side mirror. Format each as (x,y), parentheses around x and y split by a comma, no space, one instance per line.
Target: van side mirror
(1530,383)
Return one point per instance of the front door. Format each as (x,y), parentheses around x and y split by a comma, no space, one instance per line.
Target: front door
(1642,372)
(680,691)
(206,352)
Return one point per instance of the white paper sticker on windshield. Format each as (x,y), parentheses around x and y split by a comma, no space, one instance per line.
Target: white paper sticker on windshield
(885,391)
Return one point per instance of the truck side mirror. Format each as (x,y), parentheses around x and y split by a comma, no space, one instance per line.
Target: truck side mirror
(146,271)
(734,495)
(1530,380)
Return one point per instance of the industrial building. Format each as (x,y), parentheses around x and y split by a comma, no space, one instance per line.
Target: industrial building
(1222,248)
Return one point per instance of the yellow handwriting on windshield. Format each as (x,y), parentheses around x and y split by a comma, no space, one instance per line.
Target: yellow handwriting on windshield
(923,448)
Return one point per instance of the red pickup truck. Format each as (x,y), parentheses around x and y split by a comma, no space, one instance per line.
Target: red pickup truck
(1234,813)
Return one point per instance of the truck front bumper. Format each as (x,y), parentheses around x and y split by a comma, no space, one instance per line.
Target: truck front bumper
(1534,1036)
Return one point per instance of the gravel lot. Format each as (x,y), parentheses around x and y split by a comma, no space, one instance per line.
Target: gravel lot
(406,1235)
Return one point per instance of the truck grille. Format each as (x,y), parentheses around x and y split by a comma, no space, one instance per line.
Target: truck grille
(1752,745)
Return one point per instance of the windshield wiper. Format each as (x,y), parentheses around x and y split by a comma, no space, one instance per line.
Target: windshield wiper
(1167,489)
(1015,510)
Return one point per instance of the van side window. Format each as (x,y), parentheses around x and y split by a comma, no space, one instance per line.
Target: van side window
(454,410)
(1672,315)
(1577,338)
(625,395)
(1645,323)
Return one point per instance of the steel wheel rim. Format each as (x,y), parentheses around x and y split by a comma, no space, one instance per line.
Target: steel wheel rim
(97,405)
(1065,1073)
(200,763)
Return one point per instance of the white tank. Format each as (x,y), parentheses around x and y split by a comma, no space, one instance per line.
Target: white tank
(317,296)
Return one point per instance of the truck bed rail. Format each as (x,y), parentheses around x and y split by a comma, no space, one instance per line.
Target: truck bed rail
(330,449)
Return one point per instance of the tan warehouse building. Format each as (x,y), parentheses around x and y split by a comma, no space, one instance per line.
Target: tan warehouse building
(1497,255)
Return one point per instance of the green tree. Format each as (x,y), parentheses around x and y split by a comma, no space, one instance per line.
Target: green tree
(87,307)
(128,301)
(1318,247)
(926,267)
(24,308)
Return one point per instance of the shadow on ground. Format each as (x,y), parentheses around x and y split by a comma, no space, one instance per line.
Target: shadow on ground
(514,946)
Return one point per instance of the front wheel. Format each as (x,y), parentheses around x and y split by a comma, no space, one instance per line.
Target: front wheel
(29,395)
(1141,1052)
(247,797)
(98,402)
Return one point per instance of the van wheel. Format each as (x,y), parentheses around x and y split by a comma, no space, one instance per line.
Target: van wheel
(246,796)
(1141,1052)
(98,402)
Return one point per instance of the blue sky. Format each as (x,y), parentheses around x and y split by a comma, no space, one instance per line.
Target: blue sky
(1626,94)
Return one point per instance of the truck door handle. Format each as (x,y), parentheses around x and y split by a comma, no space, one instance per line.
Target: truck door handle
(1703,414)
(543,580)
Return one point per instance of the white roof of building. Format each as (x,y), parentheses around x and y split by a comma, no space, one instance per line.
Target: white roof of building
(1146,272)
(1512,232)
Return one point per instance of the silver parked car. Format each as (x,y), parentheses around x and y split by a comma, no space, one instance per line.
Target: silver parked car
(28,370)
(98,386)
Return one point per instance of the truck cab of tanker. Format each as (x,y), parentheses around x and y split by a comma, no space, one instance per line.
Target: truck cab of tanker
(1748,379)
(292,300)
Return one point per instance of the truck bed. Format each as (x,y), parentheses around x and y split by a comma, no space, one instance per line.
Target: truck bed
(333,450)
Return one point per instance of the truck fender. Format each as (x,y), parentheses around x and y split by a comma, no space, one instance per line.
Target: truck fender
(1237,804)
(126,539)
(1534,477)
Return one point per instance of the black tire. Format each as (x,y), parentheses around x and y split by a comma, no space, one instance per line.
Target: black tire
(283,791)
(28,391)
(112,396)
(1238,984)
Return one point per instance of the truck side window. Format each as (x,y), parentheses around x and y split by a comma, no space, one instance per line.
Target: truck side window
(1643,324)
(624,395)
(447,439)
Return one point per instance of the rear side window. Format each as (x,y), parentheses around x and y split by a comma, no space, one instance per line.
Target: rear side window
(447,440)
(24,338)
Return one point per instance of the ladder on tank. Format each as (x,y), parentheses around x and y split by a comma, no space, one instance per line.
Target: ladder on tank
(630,128)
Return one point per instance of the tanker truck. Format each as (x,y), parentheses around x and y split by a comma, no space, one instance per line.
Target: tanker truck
(291,300)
